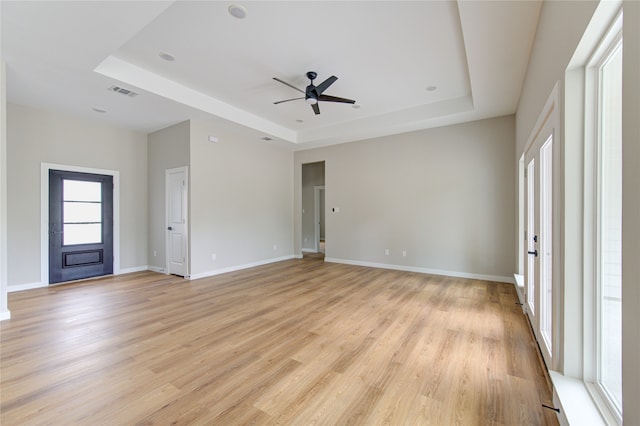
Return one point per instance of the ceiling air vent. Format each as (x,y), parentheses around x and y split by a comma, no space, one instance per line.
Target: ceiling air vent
(122,91)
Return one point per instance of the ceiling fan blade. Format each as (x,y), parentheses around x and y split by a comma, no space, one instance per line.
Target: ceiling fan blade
(287,100)
(327,98)
(287,84)
(325,84)
(316,108)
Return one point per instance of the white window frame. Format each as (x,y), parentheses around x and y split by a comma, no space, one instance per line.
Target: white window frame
(608,43)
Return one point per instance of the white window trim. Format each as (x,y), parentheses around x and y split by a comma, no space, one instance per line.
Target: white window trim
(608,43)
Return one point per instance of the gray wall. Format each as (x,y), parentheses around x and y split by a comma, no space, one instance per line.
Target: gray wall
(35,136)
(241,199)
(167,148)
(312,176)
(444,195)
(631,214)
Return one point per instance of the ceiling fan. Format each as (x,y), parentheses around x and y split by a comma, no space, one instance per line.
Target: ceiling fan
(313,94)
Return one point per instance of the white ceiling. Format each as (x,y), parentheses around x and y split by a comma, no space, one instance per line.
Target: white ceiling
(64,56)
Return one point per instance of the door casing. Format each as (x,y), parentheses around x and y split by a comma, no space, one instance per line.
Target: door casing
(548,124)
(44,214)
(86,260)
(318,191)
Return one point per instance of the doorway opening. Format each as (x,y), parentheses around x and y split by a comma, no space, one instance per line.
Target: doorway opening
(314,235)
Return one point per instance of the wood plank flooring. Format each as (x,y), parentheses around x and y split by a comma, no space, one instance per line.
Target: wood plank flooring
(295,342)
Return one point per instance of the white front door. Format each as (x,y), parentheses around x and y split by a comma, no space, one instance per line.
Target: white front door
(176,214)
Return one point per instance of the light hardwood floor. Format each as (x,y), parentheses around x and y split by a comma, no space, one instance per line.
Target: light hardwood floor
(295,342)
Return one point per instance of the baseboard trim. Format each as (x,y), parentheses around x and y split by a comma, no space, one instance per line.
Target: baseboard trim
(23,287)
(495,278)
(308,250)
(31,286)
(519,283)
(157,269)
(134,269)
(240,267)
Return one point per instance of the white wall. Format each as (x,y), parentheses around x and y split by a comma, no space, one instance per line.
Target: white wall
(241,194)
(444,195)
(631,214)
(167,148)
(35,136)
(560,27)
(4,309)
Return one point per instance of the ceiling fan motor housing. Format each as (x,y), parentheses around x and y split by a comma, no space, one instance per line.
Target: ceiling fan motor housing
(313,94)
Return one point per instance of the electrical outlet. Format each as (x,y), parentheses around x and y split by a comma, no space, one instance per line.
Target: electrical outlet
(213,256)
(386,252)
(404,253)
(275,247)
(155,253)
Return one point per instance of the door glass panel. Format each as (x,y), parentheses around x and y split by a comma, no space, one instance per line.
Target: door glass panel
(84,233)
(546,241)
(81,212)
(79,190)
(531,232)
(78,211)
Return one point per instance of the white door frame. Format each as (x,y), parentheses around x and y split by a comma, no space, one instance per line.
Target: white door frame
(184,169)
(44,214)
(548,123)
(316,216)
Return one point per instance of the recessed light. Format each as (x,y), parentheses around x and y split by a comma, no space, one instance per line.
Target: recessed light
(299,121)
(355,106)
(266,138)
(213,138)
(237,11)
(100,110)
(167,56)
(432,88)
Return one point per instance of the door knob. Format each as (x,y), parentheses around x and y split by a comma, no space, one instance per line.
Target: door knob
(169,228)
(535,253)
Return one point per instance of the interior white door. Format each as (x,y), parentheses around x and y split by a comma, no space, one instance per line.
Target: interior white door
(176,214)
(539,237)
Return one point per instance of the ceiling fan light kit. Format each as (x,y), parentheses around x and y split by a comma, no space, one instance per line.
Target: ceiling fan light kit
(314,94)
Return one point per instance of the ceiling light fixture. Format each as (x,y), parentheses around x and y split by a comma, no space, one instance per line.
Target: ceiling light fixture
(266,138)
(167,56)
(355,106)
(311,101)
(431,88)
(100,110)
(237,11)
